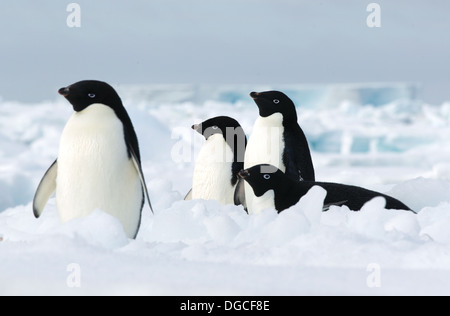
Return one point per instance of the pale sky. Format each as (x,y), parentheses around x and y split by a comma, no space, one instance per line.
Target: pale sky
(222,42)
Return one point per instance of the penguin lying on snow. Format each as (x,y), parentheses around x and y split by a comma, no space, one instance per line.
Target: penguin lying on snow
(98,164)
(278,140)
(280,192)
(219,161)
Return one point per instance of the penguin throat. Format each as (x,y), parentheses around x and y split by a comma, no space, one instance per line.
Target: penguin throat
(273,120)
(266,201)
(84,108)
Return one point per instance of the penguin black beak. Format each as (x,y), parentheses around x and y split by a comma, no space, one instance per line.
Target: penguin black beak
(64,91)
(255,95)
(197,128)
(244,174)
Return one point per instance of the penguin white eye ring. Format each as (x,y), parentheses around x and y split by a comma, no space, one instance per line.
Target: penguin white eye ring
(276,101)
(215,127)
(91,95)
(267,176)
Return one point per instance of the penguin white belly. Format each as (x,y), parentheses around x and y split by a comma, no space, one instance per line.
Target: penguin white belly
(94,170)
(212,172)
(265,146)
(267,201)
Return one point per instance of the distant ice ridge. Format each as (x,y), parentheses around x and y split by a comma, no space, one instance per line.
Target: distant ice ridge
(307,96)
(342,119)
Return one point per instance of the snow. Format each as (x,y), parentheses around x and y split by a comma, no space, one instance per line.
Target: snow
(399,146)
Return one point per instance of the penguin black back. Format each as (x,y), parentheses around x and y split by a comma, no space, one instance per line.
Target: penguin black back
(288,192)
(297,155)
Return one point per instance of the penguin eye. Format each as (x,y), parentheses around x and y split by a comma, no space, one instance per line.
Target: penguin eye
(91,95)
(276,101)
(215,127)
(267,176)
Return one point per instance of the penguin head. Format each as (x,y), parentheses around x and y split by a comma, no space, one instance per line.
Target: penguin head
(218,125)
(263,178)
(271,102)
(84,93)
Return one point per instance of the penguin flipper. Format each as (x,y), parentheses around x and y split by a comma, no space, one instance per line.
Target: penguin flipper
(138,167)
(188,196)
(46,188)
(297,156)
(239,194)
(326,207)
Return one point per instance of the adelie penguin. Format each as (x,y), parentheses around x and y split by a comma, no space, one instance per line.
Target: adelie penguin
(219,161)
(99,163)
(277,191)
(278,140)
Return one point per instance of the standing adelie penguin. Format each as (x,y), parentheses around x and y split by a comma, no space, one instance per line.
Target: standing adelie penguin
(278,191)
(277,140)
(98,164)
(219,161)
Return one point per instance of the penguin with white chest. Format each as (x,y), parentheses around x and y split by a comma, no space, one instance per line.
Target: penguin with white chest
(219,161)
(277,140)
(280,192)
(98,164)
